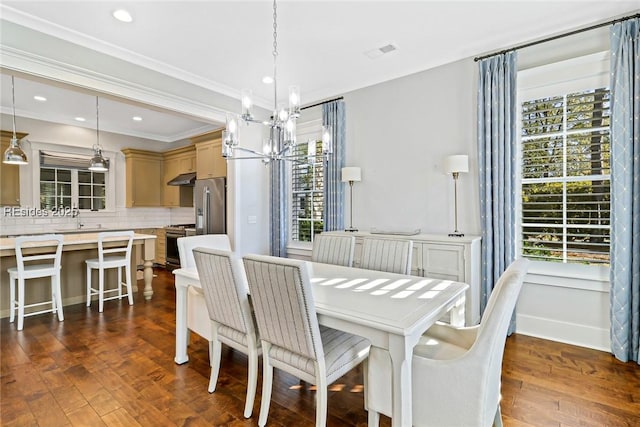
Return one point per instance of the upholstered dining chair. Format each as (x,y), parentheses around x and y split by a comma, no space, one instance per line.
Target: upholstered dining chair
(224,286)
(197,315)
(390,255)
(31,266)
(116,253)
(333,249)
(292,339)
(456,370)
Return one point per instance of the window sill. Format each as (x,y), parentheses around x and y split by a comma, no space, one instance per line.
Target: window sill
(585,277)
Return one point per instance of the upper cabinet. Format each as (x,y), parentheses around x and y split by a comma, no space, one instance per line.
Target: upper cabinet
(209,160)
(9,175)
(144,175)
(176,162)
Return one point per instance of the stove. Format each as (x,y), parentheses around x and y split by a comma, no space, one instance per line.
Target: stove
(173,233)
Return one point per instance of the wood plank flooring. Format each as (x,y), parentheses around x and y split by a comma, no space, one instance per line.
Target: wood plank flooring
(116,369)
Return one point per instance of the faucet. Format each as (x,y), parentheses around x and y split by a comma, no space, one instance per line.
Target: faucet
(76,214)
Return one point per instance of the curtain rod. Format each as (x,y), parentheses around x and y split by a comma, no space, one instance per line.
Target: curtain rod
(321,103)
(559,36)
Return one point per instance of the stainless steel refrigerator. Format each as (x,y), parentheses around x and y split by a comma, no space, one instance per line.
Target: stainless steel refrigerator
(210,196)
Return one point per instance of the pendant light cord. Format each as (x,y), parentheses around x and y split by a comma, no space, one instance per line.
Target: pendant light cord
(13,104)
(275,57)
(97,125)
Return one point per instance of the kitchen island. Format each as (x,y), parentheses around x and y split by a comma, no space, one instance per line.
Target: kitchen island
(77,247)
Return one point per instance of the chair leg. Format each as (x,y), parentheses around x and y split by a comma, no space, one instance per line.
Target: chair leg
(100,289)
(58,297)
(252,382)
(20,303)
(12,298)
(365,382)
(373,419)
(267,383)
(128,283)
(119,282)
(321,400)
(88,285)
(215,356)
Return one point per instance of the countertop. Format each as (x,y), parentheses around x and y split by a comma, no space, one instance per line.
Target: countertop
(7,244)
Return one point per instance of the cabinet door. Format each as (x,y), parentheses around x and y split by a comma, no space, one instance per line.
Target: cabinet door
(161,246)
(171,192)
(209,160)
(147,190)
(443,261)
(187,163)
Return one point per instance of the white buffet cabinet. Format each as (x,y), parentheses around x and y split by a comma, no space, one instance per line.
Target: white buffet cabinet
(440,257)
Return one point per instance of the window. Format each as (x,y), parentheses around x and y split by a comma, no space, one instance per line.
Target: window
(565,175)
(307,193)
(66,183)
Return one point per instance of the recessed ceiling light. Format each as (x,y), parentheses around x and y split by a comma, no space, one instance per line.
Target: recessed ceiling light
(137,118)
(267,80)
(40,98)
(80,119)
(122,15)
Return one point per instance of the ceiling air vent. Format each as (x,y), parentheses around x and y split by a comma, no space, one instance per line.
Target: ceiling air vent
(379,51)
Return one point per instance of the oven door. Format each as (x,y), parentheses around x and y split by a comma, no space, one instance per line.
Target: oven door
(173,256)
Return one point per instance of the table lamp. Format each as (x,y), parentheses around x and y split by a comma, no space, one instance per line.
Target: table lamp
(454,165)
(351,174)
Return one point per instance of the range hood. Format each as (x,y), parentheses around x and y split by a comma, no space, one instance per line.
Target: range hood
(184,179)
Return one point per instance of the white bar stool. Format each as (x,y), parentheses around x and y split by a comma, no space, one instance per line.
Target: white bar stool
(25,269)
(116,242)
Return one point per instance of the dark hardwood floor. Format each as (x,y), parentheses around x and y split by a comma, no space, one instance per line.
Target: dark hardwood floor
(117,369)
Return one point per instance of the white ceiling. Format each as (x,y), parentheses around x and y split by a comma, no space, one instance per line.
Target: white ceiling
(227,45)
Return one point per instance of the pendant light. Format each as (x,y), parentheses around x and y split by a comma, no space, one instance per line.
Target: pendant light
(14,154)
(98,163)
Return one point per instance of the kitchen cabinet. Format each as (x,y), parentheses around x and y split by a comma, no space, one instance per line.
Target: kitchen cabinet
(9,174)
(161,247)
(441,257)
(176,162)
(209,160)
(144,178)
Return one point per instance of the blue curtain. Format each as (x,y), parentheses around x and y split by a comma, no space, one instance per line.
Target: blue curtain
(496,166)
(333,114)
(625,190)
(279,208)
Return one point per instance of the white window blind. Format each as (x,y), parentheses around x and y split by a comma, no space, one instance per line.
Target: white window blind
(565,211)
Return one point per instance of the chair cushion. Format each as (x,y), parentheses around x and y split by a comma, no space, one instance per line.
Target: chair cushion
(342,352)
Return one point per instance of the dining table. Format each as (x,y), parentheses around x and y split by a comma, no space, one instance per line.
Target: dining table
(390,310)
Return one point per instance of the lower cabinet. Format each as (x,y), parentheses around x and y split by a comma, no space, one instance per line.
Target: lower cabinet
(161,247)
(441,257)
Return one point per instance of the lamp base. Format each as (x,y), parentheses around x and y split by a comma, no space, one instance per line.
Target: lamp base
(351,229)
(456,234)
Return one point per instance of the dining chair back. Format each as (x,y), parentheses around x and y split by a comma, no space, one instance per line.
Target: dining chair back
(292,339)
(333,249)
(114,251)
(197,315)
(390,255)
(456,370)
(224,286)
(30,265)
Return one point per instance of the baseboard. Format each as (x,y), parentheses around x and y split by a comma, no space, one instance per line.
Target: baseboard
(565,332)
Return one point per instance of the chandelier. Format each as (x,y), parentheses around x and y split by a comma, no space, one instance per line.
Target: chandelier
(281,124)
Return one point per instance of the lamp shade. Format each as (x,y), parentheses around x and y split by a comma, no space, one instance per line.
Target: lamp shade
(351,173)
(457,163)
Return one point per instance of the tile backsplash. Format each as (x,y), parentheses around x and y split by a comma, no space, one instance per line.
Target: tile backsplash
(22,221)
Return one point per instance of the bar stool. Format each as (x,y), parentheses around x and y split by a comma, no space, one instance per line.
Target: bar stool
(118,243)
(25,269)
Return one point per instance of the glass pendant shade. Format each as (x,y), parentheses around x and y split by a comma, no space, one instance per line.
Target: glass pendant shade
(14,154)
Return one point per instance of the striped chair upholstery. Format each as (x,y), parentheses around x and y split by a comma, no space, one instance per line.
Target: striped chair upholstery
(225,289)
(292,339)
(390,255)
(332,249)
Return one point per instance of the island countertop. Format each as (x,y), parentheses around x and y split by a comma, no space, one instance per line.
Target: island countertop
(89,241)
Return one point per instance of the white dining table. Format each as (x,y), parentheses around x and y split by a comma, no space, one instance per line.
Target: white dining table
(391,310)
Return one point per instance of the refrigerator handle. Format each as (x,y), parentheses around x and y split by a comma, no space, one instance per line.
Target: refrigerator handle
(206,200)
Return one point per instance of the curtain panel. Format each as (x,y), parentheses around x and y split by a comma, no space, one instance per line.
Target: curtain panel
(333,114)
(625,190)
(496,167)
